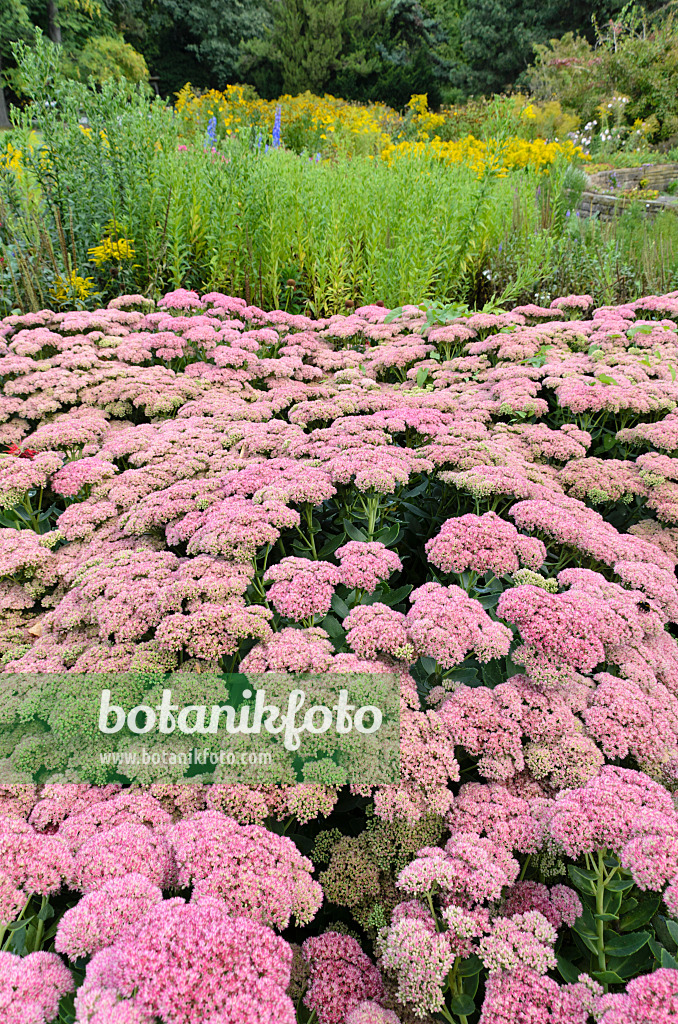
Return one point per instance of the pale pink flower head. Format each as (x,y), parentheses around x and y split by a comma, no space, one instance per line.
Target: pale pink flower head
(365,564)
(88,816)
(652,860)
(649,999)
(301,588)
(374,629)
(485,543)
(420,959)
(181,300)
(464,927)
(518,996)
(32,986)
(97,919)
(123,850)
(33,861)
(446,624)
(469,869)
(572,302)
(369,1012)
(291,650)
(257,873)
(192,962)
(609,811)
(491,809)
(81,473)
(523,940)
(12,900)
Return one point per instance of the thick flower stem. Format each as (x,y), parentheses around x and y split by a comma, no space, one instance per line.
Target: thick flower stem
(311,537)
(455,987)
(41,926)
(600,904)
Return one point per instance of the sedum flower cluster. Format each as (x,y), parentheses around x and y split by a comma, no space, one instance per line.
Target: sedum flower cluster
(486,510)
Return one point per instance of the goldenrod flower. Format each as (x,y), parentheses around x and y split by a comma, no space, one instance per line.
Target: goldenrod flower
(110,249)
(72,286)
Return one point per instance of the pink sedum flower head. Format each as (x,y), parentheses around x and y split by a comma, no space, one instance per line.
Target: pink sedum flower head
(370,1012)
(98,918)
(376,629)
(34,862)
(301,588)
(123,850)
(341,977)
(493,810)
(31,987)
(523,940)
(485,543)
(192,962)
(469,869)
(609,811)
(291,650)
(523,996)
(181,300)
(420,958)
(88,815)
(256,873)
(446,624)
(649,999)
(363,565)
(652,860)
(559,905)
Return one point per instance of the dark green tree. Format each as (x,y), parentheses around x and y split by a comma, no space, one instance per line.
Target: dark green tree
(359,49)
(498,36)
(15,23)
(308,41)
(214,30)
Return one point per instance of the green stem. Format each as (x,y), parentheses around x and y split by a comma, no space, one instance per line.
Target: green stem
(525,867)
(600,904)
(433,913)
(311,538)
(41,926)
(372,517)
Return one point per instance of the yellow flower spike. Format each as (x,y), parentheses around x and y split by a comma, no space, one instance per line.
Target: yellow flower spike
(110,249)
(72,286)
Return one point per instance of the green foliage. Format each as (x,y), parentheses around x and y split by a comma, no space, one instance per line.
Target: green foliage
(107,57)
(309,41)
(284,230)
(621,932)
(360,49)
(499,36)
(90,46)
(636,58)
(569,69)
(212,31)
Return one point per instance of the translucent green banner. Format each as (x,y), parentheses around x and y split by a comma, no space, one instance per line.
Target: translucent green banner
(273,728)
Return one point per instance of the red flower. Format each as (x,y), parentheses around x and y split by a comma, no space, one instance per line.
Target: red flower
(27,453)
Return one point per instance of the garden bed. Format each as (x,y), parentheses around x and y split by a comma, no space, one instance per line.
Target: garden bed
(484,510)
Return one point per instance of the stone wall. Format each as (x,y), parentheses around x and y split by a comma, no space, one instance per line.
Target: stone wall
(603,202)
(655,176)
